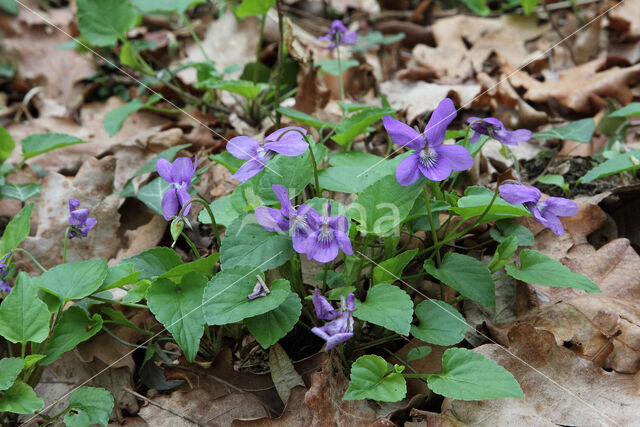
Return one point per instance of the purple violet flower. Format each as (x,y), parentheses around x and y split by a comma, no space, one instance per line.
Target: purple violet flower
(79,220)
(259,290)
(285,218)
(339,35)
(495,129)
(546,212)
(329,234)
(179,175)
(432,158)
(340,329)
(288,141)
(4,271)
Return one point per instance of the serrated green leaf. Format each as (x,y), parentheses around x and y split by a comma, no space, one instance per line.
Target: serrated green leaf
(417,353)
(505,229)
(269,327)
(503,254)
(384,205)
(179,309)
(476,200)
(7,144)
(357,124)
(305,119)
(22,192)
(224,211)
(152,193)
(538,269)
(630,110)
(103,22)
(225,297)
(154,262)
(120,275)
(390,270)
(23,316)
(330,66)
(369,380)
(557,180)
(244,88)
(253,7)
(20,399)
(388,306)
(248,243)
(114,119)
(177,6)
(202,265)
(89,406)
(620,163)
(341,178)
(137,292)
(74,280)
(579,131)
(17,230)
(74,327)
(10,368)
(40,143)
(468,375)
(466,275)
(440,323)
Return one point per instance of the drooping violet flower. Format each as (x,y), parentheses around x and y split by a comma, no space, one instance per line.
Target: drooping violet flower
(329,234)
(179,175)
(324,309)
(339,35)
(259,290)
(546,212)
(288,141)
(4,271)
(432,158)
(340,329)
(79,220)
(286,218)
(495,129)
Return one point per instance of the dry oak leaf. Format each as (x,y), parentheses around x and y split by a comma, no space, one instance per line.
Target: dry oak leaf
(575,86)
(506,37)
(420,98)
(603,329)
(200,406)
(560,387)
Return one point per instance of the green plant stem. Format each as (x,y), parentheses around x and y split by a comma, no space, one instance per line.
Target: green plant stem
(111,301)
(204,203)
(422,376)
(501,277)
(191,244)
(434,235)
(162,110)
(263,19)
(195,37)
(315,172)
(31,257)
(64,245)
(276,95)
(342,97)
(378,341)
(324,277)
(55,417)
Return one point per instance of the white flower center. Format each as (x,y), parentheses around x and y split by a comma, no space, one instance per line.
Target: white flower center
(428,157)
(326,235)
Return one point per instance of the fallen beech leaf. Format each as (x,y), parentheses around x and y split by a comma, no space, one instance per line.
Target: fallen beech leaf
(605,330)
(311,96)
(560,387)
(420,98)
(294,413)
(431,364)
(198,405)
(576,85)
(283,373)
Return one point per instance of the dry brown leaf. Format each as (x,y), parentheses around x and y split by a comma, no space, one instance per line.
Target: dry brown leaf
(603,329)
(294,414)
(575,87)
(624,19)
(198,405)
(505,37)
(431,364)
(560,387)
(228,41)
(283,374)
(64,375)
(311,96)
(419,98)
(93,187)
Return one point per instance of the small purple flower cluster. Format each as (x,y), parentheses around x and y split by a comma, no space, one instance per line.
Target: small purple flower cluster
(4,272)
(79,220)
(339,35)
(340,326)
(319,237)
